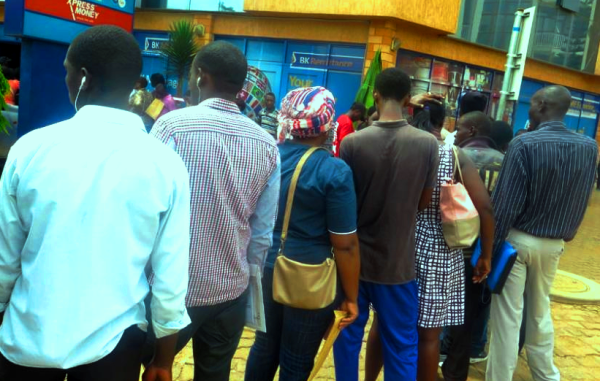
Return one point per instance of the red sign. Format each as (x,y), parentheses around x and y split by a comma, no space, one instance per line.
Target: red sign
(82,12)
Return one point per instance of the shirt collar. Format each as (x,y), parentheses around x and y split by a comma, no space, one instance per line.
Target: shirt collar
(479,142)
(108,115)
(555,125)
(221,105)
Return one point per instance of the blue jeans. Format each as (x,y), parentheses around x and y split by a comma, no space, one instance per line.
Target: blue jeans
(397,309)
(292,340)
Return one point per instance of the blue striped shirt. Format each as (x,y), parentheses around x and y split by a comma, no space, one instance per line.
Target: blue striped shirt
(545,183)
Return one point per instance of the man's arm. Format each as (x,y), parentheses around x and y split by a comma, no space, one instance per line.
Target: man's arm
(170,262)
(263,220)
(12,233)
(510,193)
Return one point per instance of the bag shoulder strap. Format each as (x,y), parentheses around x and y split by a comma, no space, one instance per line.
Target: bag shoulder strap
(457,165)
(290,197)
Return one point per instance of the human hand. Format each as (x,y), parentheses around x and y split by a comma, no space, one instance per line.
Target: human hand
(158,373)
(419,100)
(482,270)
(351,309)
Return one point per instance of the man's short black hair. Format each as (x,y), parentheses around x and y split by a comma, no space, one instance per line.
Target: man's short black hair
(393,83)
(111,56)
(501,134)
(357,106)
(225,63)
(157,79)
(473,101)
(143,82)
(480,121)
(270,95)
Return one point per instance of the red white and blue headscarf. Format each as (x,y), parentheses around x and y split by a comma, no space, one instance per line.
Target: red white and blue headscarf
(306,112)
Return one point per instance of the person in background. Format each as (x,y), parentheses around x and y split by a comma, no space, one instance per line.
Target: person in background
(267,117)
(234,178)
(472,101)
(323,217)
(160,92)
(391,160)
(125,198)
(540,200)
(346,125)
(465,344)
(501,134)
(372,116)
(139,102)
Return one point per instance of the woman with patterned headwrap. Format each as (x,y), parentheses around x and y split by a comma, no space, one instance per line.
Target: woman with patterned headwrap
(323,217)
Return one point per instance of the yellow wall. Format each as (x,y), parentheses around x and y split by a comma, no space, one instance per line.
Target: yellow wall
(299,29)
(441,15)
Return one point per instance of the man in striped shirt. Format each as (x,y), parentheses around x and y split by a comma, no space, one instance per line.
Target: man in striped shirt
(234,182)
(540,199)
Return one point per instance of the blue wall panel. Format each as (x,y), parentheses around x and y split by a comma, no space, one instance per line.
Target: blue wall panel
(43,85)
(274,57)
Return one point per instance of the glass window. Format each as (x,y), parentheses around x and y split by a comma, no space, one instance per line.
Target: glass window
(561,37)
(419,87)
(416,67)
(477,79)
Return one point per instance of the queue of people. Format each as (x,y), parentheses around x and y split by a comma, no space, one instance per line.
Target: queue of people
(117,252)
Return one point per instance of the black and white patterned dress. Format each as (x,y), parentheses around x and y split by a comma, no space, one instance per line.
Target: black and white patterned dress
(440,270)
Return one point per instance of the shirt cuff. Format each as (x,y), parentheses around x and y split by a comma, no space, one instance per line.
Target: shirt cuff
(170,328)
(348,233)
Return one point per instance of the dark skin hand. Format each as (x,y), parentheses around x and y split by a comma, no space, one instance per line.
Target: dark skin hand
(481,199)
(347,259)
(160,369)
(419,100)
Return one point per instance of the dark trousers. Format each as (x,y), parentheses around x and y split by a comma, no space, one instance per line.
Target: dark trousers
(122,364)
(458,339)
(216,332)
(292,340)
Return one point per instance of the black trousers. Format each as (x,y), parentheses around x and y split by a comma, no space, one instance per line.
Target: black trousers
(457,343)
(122,364)
(215,333)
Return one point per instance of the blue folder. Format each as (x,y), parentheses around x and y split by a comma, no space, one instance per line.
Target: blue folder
(502,264)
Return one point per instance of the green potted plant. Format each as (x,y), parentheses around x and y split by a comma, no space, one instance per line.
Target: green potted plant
(180,51)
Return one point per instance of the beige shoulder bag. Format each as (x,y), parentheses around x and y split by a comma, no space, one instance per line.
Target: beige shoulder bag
(297,284)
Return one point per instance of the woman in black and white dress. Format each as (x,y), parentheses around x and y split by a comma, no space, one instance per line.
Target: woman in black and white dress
(440,270)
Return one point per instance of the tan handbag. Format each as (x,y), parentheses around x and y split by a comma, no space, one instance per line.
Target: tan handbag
(296,284)
(460,220)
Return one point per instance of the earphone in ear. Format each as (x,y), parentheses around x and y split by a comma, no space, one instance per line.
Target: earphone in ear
(198,83)
(78,92)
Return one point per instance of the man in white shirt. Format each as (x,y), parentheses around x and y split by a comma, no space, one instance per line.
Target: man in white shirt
(85,204)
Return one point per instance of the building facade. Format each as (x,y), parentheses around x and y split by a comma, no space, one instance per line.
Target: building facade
(448,46)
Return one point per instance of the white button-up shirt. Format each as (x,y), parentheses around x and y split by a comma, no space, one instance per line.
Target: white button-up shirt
(85,205)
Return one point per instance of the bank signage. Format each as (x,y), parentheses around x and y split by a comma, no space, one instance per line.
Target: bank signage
(62,20)
(153,45)
(92,12)
(326,62)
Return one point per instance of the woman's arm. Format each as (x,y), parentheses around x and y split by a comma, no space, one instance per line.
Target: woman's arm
(347,259)
(481,199)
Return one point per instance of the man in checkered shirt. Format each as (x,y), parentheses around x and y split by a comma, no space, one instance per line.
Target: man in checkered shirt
(234,181)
